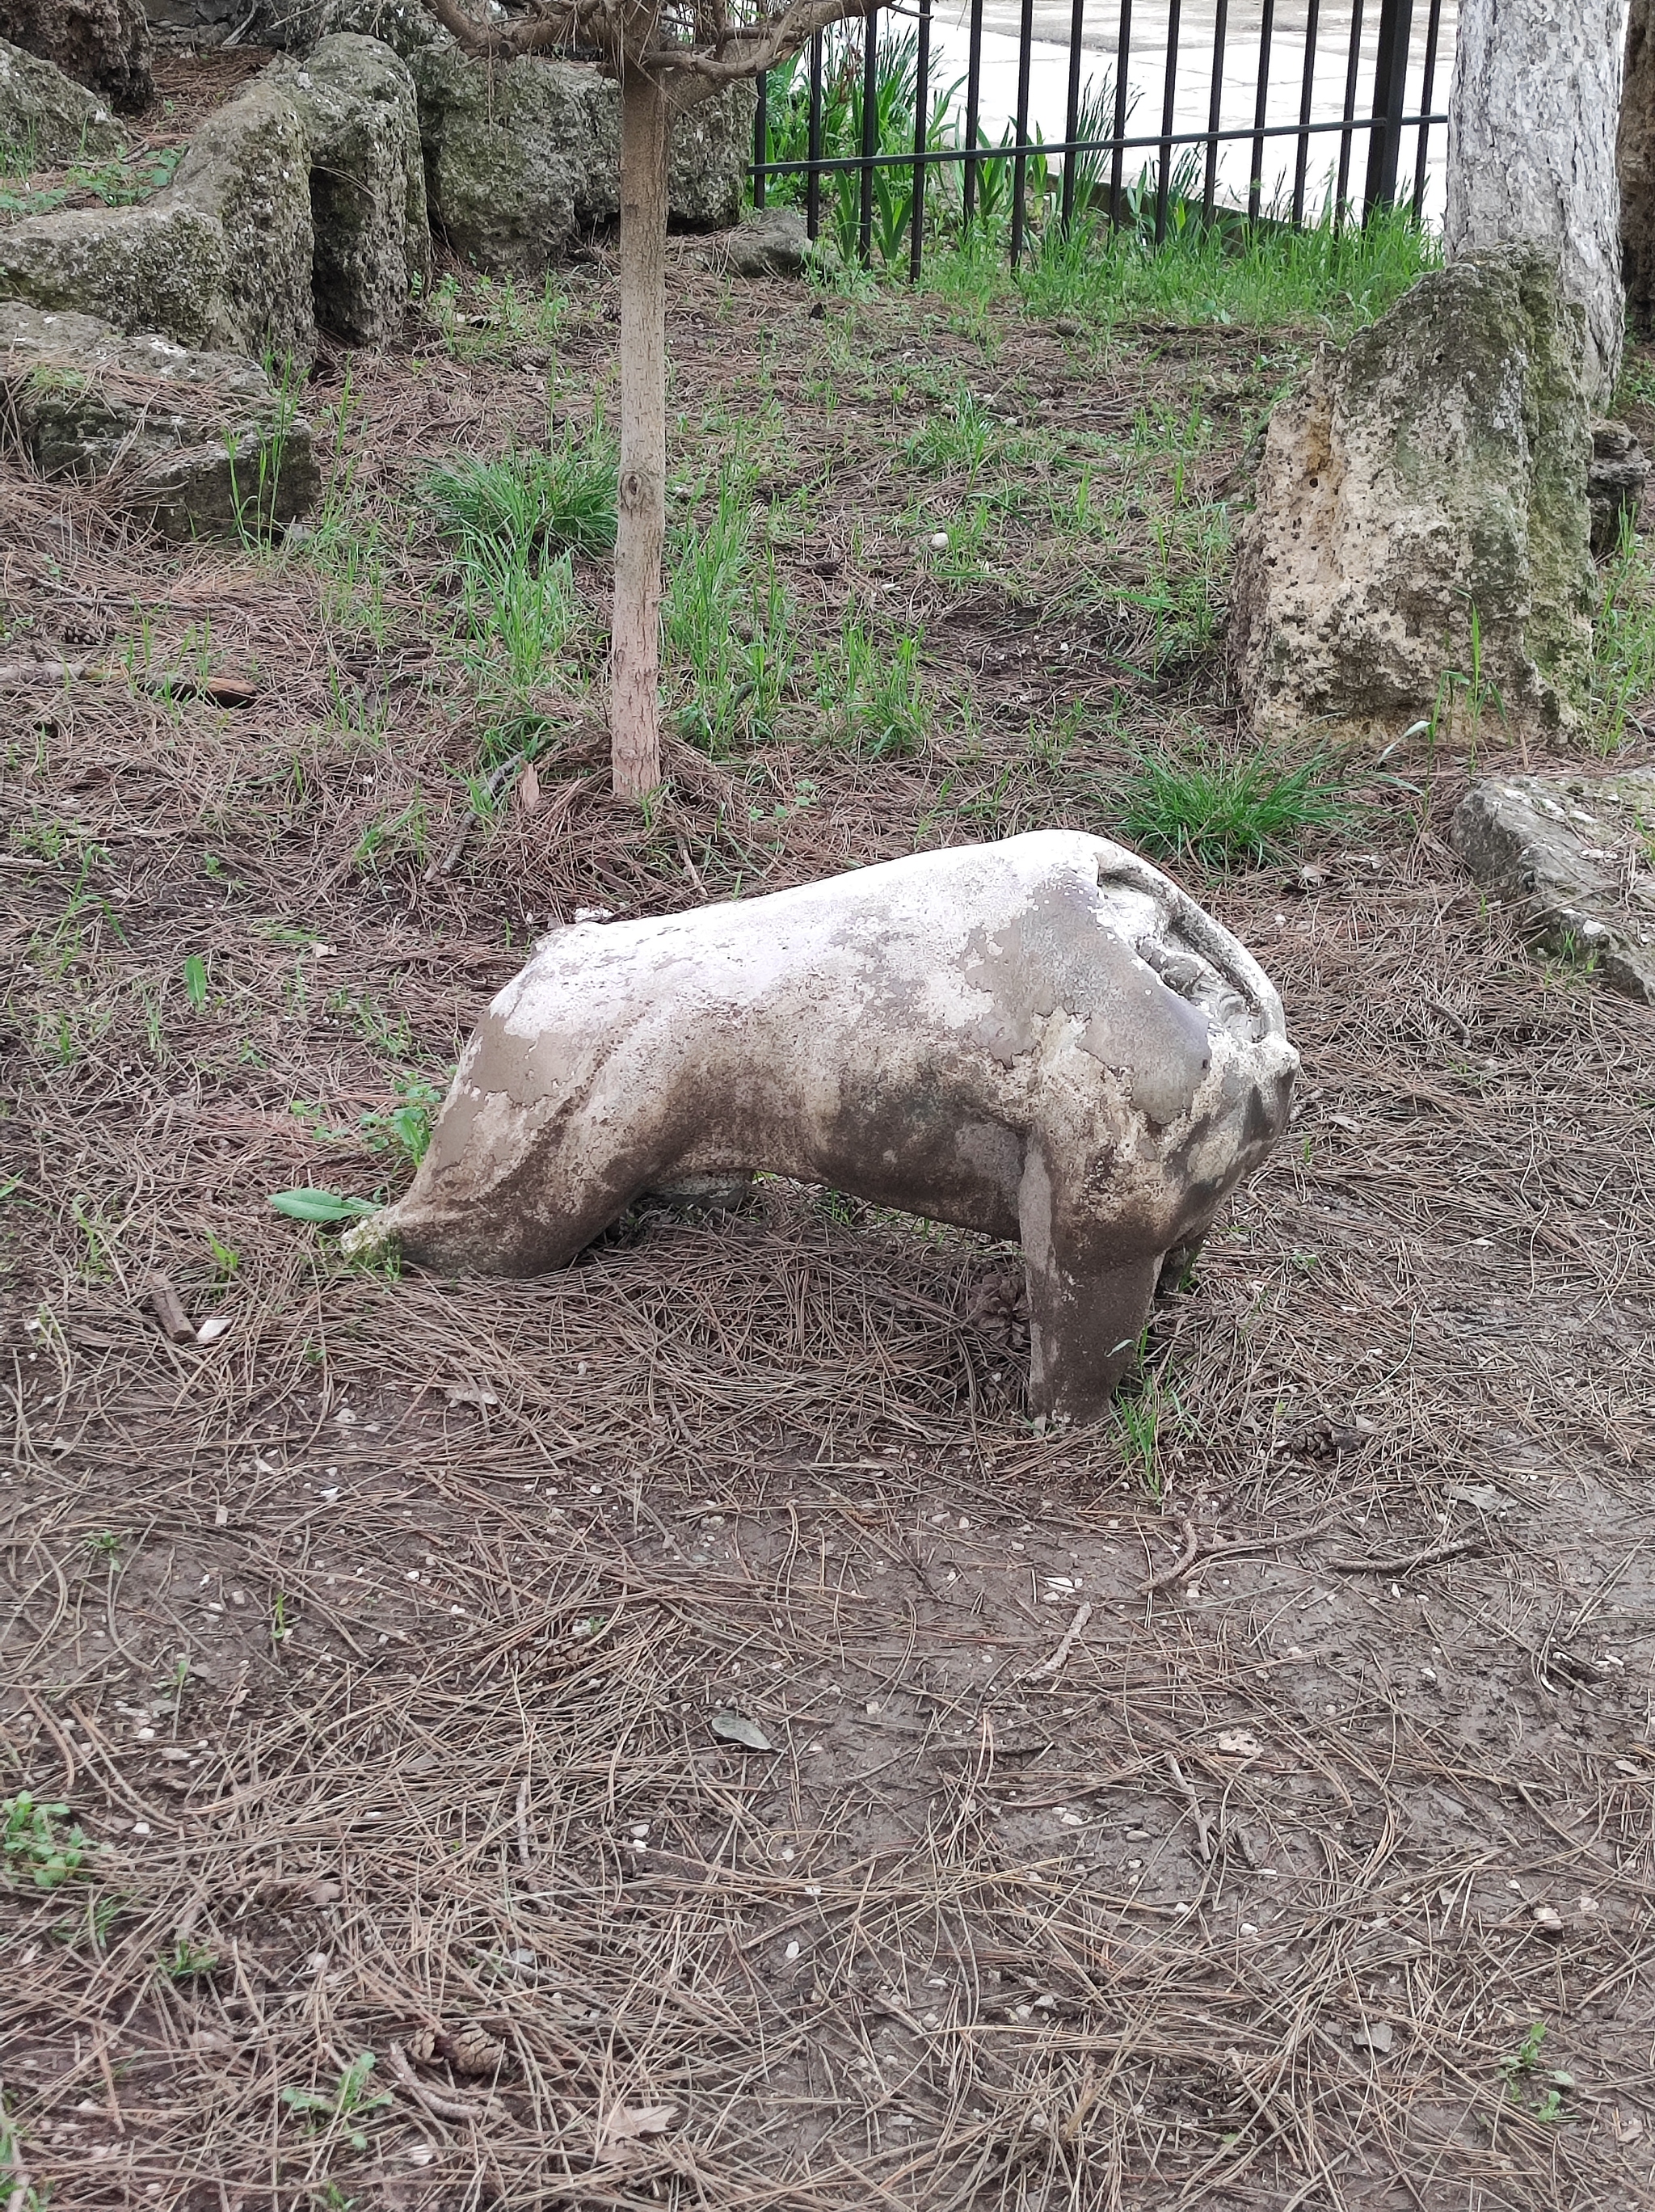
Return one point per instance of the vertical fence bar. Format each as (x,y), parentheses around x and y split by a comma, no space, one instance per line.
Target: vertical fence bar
(1427,85)
(870,132)
(973,104)
(760,139)
(1307,97)
(1390,88)
(813,143)
(921,134)
(1215,108)
(1343,187)
(1123,63)
(1256,168)
(1020,163)
(1071,129)
(1169,93)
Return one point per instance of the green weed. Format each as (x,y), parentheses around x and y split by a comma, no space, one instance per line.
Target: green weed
(492,315)
(1229,813)
(1139,1410)
(30,1843)
(347,2104)
(1538,2090)
(195,983)
(190,1961)
(405,1128)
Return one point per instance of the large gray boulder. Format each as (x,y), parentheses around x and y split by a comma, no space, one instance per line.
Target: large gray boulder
(47,116)
(1418,549)
(221,258)
(199,444)
(367,185)
(1572,858)
(522,158)
(102,44)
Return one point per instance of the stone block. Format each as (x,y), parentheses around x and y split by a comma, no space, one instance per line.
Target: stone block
(367,185)
(1419,533)
(522,158)
(47,116)
(1615,483)
(102,44)
(219,258)
(770,242)
(1572,857)
(199,444)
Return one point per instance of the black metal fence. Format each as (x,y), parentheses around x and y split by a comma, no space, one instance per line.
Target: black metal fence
(1094,166)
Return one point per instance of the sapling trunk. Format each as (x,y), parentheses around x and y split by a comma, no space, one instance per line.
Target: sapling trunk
(640,533)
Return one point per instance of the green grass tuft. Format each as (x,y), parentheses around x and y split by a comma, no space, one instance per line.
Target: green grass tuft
(1623,639)
(1229,813)
(1226,272)
(532,503)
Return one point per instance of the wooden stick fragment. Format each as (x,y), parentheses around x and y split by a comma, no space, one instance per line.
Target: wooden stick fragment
(1203,1834)
(1408,1560)
(441,2107)
(1180,1567)
(168,1309)
(1054,1665)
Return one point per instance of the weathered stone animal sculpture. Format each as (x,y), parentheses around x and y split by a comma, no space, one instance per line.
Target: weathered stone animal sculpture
(1044,1038)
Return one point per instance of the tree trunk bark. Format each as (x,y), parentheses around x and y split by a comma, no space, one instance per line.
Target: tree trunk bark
(640,537)
(1636,156)
(1531,125)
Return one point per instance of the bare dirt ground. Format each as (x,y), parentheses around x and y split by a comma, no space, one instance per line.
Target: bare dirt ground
(374,1647)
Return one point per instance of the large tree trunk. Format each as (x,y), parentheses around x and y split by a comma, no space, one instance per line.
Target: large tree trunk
(635,643)
(1531,124)
(1635,155)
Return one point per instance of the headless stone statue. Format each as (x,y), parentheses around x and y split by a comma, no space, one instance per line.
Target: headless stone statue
(1043,1039)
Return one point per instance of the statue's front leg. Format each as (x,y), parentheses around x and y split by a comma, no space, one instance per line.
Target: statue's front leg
(1088,1302)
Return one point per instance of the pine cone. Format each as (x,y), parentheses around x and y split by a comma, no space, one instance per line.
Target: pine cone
(998,1310)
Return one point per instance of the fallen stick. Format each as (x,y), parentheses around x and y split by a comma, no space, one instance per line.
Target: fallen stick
(1202,1553)
(1054,1665)
(1405,1564)
(525,1855)
(1203,1834)
(1180,1567)
(441,2107)
(223,690)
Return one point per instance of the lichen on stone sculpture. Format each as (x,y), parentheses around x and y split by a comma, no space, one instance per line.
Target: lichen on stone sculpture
(1418,547)
(1044,1039)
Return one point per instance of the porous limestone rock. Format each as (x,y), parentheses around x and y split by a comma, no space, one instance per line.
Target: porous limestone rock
(1043,1038)
(220,257)
(1573,857)
(46,116)
(524,157)
(373,245)
(199,444)
(102,44)
(770,242)
(299,25)
(1419,540)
